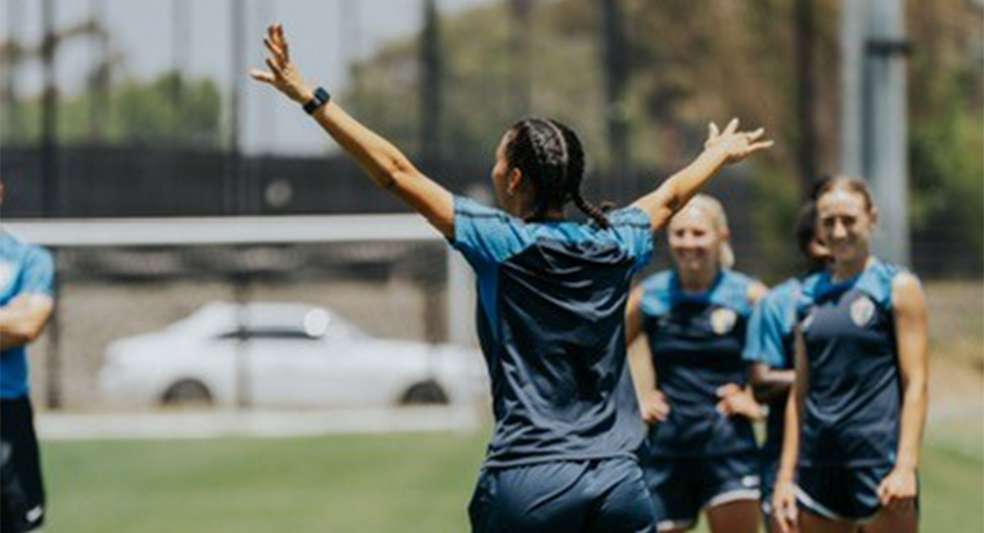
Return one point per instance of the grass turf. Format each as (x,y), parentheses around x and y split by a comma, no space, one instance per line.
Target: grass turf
(378,483)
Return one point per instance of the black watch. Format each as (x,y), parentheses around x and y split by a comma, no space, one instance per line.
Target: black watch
(320,98)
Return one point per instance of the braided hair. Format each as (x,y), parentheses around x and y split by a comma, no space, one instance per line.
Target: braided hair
(551,155)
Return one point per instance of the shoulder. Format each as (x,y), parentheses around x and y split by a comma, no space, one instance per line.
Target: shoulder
(783,295)
(658,282)
(879,281)
(808,290)
(470,208)
(907,291)
(37,255)
(656,289)
(630,216)
(738,291)
(23,252)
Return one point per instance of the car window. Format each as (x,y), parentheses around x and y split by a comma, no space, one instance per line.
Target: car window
(267,334)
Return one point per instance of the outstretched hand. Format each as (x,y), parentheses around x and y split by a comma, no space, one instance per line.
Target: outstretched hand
(733,144)
(283,75)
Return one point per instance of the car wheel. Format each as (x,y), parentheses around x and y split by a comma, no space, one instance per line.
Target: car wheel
(426,393)
(187,392)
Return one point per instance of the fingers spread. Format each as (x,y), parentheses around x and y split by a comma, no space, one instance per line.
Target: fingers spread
(278,54)
(260,75)
(753,135)
(760,146)
(274,68)
(732,126)
(712,130)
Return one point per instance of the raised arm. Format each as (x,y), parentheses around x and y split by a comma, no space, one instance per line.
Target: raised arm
(384,163)
(911,327)
(721,148)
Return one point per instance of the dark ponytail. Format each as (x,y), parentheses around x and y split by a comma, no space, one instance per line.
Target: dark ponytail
(550,154)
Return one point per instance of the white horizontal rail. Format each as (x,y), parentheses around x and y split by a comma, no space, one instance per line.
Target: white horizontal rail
(191,231)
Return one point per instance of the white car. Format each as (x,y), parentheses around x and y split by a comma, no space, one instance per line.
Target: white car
(284,355)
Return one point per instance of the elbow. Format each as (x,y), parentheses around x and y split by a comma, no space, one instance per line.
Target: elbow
(917,390)
(23,334)
(397,171)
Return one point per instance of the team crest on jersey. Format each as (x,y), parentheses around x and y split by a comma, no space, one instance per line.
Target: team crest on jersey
(862,310)
(723,320)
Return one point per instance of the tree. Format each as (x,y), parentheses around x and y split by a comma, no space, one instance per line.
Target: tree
(137,113)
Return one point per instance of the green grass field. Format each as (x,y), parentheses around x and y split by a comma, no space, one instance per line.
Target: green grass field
(422,482)
(379,483)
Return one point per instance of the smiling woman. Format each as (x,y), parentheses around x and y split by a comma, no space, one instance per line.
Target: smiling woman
(854,433)
(700,452)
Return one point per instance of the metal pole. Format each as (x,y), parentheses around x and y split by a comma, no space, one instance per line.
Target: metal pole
(180,36)
(461,300)
(99,79)
(14,119)
(235,189)
(431,67)
(886,130)
(240,289)
(852,36)
(616,78)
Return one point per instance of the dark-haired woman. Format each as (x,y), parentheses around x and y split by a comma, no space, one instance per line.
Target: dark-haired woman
(769,350)
(854,429)
(700,453)
(551,297)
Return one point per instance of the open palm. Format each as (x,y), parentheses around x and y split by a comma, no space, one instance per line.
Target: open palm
(283,74)
(735,145)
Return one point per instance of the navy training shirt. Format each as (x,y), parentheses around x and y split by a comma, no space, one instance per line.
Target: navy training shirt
(551,323)
(24,269)
(696,342)
(770,341)
(852,408)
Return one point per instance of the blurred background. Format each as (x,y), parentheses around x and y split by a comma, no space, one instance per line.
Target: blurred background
(212,245)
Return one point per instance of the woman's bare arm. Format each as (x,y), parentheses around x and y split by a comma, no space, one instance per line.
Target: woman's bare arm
(721,148)
(384,163)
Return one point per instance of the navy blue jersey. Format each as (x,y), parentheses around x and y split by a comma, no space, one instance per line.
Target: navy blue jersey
(770,341)
(696,341)
(851,413)
(24,269)
(551,322)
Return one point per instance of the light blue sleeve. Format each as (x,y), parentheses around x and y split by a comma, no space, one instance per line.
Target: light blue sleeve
(634,230)
(764,341)
(38,272)
(486,236)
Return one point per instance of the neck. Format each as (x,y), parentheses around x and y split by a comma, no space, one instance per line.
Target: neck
(697,280)
(847,269)
(549,214)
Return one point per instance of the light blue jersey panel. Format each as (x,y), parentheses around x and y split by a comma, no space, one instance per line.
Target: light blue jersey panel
(24,269)
(770,328)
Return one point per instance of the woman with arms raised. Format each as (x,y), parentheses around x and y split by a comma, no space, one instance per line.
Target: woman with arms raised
(551,298)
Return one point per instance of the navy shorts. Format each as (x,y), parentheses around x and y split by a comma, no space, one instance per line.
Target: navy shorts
(21,488)
(598,495)
(841,493)
(681,487)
